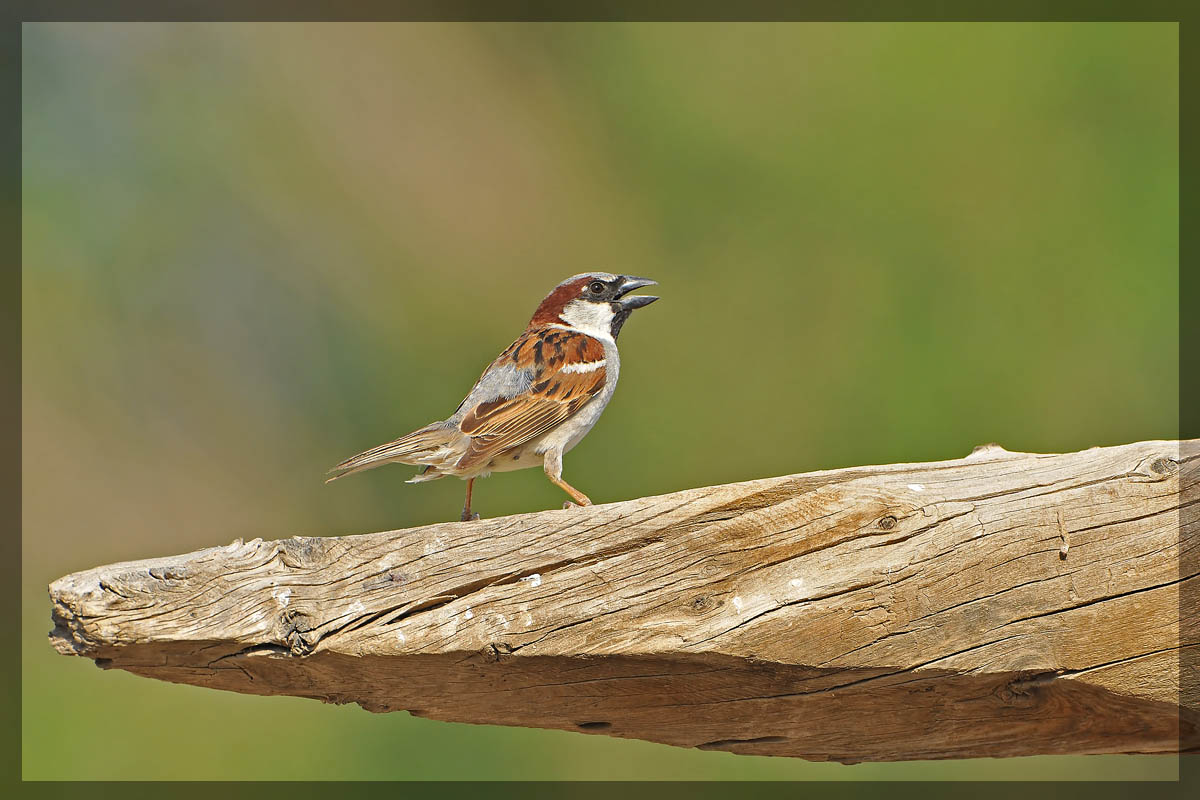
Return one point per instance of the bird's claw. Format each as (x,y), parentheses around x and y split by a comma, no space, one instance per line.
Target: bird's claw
(464,517)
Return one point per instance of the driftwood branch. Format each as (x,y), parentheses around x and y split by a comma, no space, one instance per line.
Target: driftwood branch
(1001,604)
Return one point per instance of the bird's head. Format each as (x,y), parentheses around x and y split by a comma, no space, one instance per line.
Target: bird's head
(597,303)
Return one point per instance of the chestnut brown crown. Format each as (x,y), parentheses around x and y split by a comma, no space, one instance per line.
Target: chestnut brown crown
(597,289)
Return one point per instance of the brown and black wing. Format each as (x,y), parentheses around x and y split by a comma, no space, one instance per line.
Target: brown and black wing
(568,371)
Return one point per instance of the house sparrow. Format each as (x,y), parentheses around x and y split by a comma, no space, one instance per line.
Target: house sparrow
(536,401)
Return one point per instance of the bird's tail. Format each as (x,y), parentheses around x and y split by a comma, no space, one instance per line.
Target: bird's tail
(419,447)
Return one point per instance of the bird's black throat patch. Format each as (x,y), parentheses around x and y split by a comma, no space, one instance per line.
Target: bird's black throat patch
(620,314)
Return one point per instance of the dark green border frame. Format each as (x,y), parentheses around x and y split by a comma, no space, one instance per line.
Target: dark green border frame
(1184,12)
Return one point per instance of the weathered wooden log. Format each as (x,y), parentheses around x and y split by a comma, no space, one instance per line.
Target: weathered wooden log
(998,605)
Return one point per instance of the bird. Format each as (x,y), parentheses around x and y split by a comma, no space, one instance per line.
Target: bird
(535,401)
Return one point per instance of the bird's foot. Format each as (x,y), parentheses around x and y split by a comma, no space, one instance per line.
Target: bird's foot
(467,516)
(569,504)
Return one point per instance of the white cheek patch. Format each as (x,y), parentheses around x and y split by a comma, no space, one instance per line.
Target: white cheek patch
(594,319)
(585,366)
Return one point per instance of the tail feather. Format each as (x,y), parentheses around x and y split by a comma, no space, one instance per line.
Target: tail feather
(427,473)
(408,449)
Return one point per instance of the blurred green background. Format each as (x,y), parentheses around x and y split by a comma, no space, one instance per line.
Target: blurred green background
(251,250)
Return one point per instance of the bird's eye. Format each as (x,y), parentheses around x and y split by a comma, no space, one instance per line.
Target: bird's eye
(597,287)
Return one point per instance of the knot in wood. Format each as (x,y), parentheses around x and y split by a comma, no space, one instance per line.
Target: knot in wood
(702,604)
(1164,466)
(1025,691)
(496,651)
(886,523)
(303,551)
(298,632)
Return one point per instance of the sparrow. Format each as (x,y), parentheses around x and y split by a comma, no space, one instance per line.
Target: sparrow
(536,401)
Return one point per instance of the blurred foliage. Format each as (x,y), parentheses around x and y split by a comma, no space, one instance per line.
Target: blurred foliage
(251,250)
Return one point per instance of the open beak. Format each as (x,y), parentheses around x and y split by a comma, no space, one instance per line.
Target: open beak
(630,284)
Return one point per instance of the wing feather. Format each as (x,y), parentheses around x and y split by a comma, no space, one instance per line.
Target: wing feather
(554,395)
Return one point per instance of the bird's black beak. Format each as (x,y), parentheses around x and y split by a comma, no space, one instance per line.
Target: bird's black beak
(630,284)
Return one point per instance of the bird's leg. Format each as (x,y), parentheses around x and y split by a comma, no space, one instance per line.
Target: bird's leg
(580,498)
(552,465)
(467,516)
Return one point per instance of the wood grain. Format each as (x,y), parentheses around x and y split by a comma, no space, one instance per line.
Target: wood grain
(998,605)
